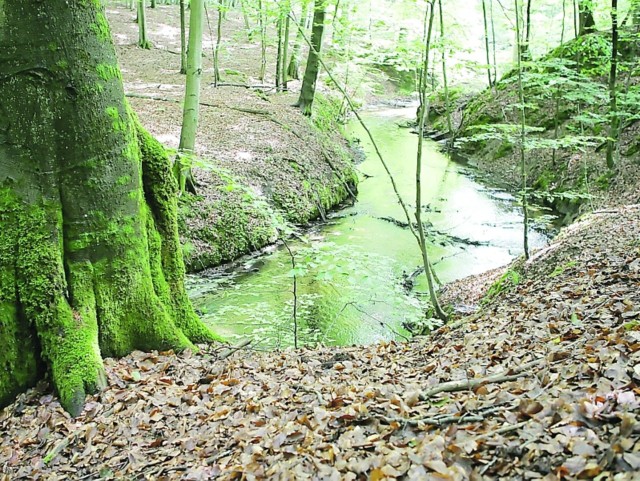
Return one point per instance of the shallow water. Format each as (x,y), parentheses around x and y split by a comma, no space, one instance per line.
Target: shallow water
(349,273)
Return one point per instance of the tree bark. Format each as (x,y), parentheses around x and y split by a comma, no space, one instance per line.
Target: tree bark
(142,26)
(308,89)
(613,89)
(293,70)
(486,42)
(90,260)
(191,110)
(183,39)
(586,20)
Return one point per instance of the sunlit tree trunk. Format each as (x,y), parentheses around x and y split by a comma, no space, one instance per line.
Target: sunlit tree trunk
(613,90)
(523,138)
(285,47)
(308,90)
(90,260)
(183,38)
(424,114)
(142,26)
(191,110)
(486,42)
(262,22)
(293,70)
(216,50)
(526,49)
(445,80)
(245,17)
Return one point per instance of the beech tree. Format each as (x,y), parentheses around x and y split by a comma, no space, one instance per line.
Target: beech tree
(90,260)
(308,89)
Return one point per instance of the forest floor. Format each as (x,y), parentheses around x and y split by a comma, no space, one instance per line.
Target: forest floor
(541,382)
(258,157)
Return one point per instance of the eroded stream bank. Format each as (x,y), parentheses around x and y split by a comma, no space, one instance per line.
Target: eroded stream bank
(349,271)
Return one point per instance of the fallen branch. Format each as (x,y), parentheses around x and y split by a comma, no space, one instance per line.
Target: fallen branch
(61,446)
(445,419)
(203,104)
(245,86)
(503,430)
(228,352)
(470,384)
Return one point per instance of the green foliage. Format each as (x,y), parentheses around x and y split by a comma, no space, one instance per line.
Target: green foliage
(559,270)
(508,280)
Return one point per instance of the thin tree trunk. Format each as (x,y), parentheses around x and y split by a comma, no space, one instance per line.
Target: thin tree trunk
(308,89)
(493,44)
(216,51)
(486,42)
(142,26)
(263,40)
(191,109)
(245,17)
(445,81)
(293,69)
(613,94)
(183,39)
(527,51)
(285,49)
(428,268)
(280,29)
(558,92)
(523,138)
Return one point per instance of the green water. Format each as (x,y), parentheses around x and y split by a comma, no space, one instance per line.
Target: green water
(349,272)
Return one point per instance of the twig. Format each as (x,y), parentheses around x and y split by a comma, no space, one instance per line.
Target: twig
(503,430)
(228,352)
(204,104)
(469,384)
(245,86)
(61,446)
(443,420)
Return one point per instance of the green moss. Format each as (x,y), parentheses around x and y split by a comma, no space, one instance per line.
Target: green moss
(108,72)
(101,28)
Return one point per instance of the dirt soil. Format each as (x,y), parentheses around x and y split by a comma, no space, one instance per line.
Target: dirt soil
(259,158)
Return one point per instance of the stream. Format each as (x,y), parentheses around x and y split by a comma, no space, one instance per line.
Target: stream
(349,271)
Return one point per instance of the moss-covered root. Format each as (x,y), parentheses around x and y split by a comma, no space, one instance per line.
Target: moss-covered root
(167,264)
(68,337)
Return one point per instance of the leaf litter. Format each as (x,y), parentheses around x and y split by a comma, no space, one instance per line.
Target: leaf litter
(541,383)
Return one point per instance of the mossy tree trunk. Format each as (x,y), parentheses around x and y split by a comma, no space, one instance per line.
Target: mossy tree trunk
(308,89)
(90,261)
(586,20)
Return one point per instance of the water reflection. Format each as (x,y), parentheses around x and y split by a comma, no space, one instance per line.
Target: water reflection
(349,274)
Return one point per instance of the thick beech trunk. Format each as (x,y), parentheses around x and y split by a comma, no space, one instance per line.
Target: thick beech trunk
(308,89)
(90,261)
